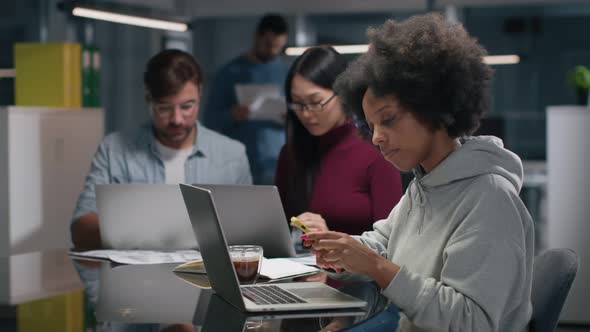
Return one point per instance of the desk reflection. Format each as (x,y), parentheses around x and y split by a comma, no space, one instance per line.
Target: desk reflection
(153,298)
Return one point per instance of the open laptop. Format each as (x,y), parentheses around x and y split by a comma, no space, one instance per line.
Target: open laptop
(153,216)
(222,276)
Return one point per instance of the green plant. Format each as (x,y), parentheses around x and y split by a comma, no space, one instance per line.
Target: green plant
(581,77)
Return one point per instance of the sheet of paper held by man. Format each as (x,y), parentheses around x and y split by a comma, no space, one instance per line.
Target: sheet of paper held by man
(264,101)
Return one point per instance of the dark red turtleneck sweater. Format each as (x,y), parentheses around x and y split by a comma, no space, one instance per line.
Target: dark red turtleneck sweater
(355,186)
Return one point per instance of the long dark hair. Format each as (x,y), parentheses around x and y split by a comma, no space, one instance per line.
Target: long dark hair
(319,65)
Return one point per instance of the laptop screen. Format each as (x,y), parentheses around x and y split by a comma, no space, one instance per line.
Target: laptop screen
(212,243)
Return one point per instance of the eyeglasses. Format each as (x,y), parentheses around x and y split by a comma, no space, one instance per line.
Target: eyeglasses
(166,110)
(312,107)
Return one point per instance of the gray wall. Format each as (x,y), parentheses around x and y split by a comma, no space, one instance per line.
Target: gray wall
(218,40)
(552,42)
(19,21)
(124,52)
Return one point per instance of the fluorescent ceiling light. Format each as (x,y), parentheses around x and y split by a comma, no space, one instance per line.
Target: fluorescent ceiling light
(362,48)
(128,19)
(509,59)
(342,49)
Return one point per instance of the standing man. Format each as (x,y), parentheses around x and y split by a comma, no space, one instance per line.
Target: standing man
(261,65)
(173,147)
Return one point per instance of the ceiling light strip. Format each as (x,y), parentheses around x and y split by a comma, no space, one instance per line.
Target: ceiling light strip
(342,49)
(508,59)
(128,19)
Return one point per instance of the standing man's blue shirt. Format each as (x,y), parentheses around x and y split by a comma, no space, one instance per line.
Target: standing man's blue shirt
(132,157)
(263,139)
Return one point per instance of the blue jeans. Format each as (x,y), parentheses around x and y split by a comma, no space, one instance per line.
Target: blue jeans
(383,315)
(384,321)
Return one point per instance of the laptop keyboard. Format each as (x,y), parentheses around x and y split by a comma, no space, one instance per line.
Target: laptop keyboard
(270,294)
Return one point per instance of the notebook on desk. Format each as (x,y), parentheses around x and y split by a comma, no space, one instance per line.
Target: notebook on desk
(271,269)
(204,218)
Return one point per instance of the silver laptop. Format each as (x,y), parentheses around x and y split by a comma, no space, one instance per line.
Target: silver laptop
(222,276)
(153,216)
(239,208)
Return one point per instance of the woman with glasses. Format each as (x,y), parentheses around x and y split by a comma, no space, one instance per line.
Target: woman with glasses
(327,175)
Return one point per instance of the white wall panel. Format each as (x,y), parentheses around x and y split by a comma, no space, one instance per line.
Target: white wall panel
(48,153)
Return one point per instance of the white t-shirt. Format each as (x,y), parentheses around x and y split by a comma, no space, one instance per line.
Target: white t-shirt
(174,160)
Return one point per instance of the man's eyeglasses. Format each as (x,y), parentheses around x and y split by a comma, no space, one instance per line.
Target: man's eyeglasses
(166,110)
(312,107)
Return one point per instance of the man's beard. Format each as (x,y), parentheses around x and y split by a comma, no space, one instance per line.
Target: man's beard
(175,137)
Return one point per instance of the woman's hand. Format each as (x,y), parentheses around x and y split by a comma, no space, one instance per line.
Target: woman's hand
(342,252)
(313,221)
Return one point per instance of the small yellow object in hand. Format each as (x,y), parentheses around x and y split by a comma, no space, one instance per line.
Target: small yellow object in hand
(300,225)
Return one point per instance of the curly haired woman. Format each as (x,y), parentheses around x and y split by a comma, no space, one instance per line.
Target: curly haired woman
(456,253)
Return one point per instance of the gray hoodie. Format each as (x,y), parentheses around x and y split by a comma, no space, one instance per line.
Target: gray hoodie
(464,241)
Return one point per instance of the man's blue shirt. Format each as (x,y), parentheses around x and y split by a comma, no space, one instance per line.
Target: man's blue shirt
(133,158)
(263,139)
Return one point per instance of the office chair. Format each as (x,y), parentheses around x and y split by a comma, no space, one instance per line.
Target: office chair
(554,271)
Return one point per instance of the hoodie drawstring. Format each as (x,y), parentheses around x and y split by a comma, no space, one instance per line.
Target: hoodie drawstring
(420,198)
(410,196)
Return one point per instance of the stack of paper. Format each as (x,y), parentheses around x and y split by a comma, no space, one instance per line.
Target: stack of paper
(274,268)
(196,279)
(196,266)
(305,259)
(140,256)
(279,268)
